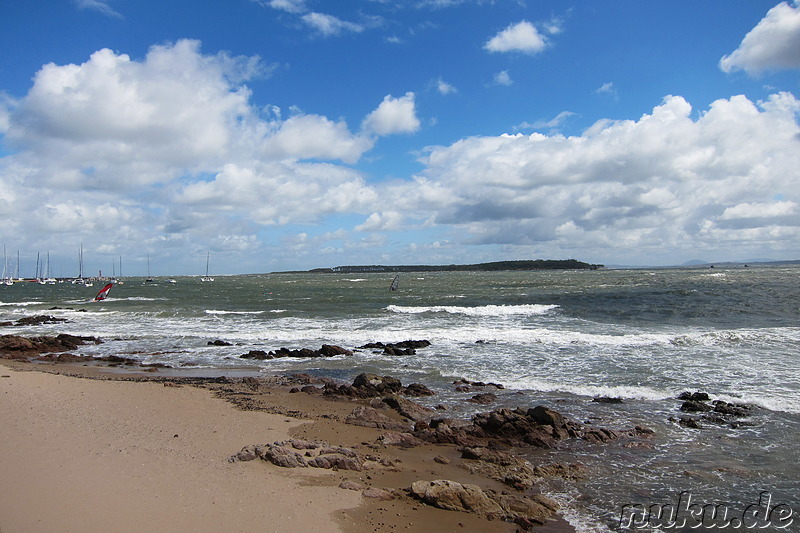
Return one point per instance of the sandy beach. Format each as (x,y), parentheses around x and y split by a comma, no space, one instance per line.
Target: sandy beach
(98,455)
(89,449)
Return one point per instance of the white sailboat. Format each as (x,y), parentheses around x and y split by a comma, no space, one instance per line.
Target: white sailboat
(6,276)
(49,279)
(148,279)
(207,277)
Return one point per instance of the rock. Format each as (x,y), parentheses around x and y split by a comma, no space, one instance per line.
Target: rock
(17,347)
(694,396)
(483,398)
(730,409)
(454,496)
(537,508)
(248,453)
(251,382)
(219,342)
(607,399)
(381,384)
(329,350)
(404,345)
(378,494)
(283,457)
(417,389)
(694,406)
(408,409)
(336,461)
(35,321)
(403,440)
(351,485)
(256,354)
(369,417)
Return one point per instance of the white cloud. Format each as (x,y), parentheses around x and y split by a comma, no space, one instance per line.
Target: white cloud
(388,220)
(444,88)
(169,149)
(393,115)
(329,25)
(520,37)
(315,137)
(103,6)
(503,78)
(290,6)
(665,181)
(773,44)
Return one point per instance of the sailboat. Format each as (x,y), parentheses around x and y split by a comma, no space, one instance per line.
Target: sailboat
(79,280)
(49,280)
(6,277)
(149,279)
(207,277)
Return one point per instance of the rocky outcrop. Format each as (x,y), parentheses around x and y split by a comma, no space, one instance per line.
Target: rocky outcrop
(286,454)
(524,510)
(34,321)
(718,412)
(327,350)
(539,427)
(369,417)
(397,348)
(16,347)
(367,385)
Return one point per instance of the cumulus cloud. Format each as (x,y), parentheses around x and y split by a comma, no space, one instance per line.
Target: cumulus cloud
(393,115)
(170,145)
(520,37)
(660,181)
(773,44)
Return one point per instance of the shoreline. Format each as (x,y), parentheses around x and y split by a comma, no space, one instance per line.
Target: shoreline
(120,457)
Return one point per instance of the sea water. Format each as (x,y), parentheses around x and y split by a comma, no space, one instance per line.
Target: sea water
(555,338)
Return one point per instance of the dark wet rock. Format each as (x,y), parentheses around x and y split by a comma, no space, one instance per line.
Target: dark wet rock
(20,347)
(259,355)
(483,398)
(417,389)
(694,406)
(219,342)
(366,386)
(36,320)
(369,417)
(607,399)
(327,350)
(539,427)
(397,348)
(694,396)
(464,382)
(731,409)
(686,421)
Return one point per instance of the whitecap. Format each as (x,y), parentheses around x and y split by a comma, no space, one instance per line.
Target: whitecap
(483,310)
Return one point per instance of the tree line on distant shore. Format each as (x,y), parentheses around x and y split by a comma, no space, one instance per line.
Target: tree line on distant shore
(536,264)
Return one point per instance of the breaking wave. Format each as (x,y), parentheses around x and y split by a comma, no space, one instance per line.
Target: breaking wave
(483,310)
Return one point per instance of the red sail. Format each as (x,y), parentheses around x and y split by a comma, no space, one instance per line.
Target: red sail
(103,294)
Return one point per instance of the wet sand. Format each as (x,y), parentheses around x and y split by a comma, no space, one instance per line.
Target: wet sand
(125,452)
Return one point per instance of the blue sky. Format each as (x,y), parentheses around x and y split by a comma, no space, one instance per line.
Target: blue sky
(294,134)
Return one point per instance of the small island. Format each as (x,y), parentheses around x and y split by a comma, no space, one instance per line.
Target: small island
(536,264)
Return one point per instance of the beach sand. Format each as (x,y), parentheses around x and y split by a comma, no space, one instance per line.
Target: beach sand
(110,454)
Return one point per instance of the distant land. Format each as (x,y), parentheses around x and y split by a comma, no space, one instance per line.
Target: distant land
(537,264)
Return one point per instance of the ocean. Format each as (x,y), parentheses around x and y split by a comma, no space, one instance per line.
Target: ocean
(554,338)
